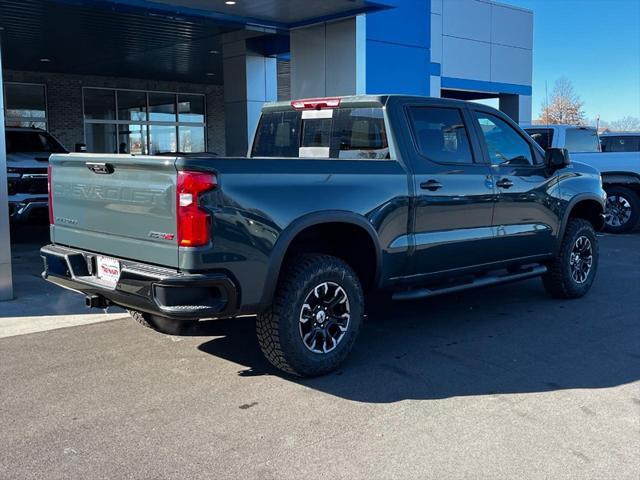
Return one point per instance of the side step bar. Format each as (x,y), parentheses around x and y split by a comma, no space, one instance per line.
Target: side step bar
(479,282)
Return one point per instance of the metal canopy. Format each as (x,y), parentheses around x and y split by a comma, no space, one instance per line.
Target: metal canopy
(161,39)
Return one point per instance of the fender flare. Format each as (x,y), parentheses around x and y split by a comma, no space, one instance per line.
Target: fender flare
(567,213)
(312,219)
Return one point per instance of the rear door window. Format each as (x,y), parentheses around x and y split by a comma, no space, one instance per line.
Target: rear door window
(581,140)
(440,134)
(542,136)
(342,133)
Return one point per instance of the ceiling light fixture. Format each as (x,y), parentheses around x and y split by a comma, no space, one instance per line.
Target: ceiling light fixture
(214,52)
(45,60)
(230,2)
(210,74)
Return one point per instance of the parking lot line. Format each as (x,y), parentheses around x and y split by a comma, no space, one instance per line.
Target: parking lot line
(14,326)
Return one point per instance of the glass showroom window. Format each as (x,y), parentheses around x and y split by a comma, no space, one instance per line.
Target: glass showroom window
(143,123)
(25,105)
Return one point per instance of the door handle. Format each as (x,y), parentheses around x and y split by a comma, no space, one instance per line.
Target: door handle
(504,183)
(431,185)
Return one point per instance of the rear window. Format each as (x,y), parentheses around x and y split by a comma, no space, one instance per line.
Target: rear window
(542,136)
(32,142)
(581,140)
(621,143)
(342,133)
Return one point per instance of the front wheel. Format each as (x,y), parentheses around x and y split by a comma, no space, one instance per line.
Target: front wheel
(315,317)
(572,272)
(623,210)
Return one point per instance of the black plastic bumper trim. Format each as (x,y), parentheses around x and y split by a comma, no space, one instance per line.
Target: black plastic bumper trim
(143,287)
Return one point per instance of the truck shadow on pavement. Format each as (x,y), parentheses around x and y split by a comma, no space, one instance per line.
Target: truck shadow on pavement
(509,339)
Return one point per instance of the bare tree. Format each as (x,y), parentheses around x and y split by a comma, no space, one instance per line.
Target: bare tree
(564,106)
(625,124)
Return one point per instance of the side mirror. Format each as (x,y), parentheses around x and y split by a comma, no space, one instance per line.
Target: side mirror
(557,158)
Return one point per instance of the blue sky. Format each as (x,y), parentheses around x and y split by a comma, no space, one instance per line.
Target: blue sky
(594,43)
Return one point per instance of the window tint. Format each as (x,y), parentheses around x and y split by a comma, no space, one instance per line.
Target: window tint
(542,136)
(277,135)
(25,105)
(99,104)
(622,143)
(132,105)
(581,140)
(162,107)
(360,133)
(342,133)
(32,142)
(506,146)
(441,135)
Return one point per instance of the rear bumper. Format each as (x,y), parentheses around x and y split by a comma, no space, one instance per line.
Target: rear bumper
(156,290)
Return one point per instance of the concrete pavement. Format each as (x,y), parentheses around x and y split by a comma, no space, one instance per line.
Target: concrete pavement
(497,383)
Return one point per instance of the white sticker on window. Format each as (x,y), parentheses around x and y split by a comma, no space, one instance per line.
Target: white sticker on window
(311,114)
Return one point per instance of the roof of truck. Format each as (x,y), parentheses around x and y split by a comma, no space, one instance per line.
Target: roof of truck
(363,101)
(620,134)
(557,126)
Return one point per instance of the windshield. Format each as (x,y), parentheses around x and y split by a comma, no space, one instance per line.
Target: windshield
(32,142)
(342,133)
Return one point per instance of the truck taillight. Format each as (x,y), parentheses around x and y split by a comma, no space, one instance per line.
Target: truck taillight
(50,193)
(194,223)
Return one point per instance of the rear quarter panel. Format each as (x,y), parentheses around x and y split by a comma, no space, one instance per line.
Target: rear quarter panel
(258,200)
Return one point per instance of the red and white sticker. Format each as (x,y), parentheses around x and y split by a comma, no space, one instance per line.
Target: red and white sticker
(108,270)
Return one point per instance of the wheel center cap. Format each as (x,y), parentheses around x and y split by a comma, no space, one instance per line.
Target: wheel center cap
(321,316)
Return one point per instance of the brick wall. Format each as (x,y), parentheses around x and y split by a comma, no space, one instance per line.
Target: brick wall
(64,102)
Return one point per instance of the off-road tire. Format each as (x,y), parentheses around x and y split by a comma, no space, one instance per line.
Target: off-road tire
(634,200)
(164,325)
(277,328)
(558,281)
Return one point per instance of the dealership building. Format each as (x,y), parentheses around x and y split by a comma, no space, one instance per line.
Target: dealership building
(158,76)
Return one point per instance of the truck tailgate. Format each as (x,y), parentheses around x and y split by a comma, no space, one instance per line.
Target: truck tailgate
(118,205)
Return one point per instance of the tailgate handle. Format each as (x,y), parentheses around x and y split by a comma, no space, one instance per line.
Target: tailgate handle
(101,168)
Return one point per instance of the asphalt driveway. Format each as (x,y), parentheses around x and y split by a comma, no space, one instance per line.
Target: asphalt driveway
(496,383)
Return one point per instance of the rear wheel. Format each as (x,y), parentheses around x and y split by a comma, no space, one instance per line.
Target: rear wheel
(623,210)
(315,317)
(572,272)
(164,325)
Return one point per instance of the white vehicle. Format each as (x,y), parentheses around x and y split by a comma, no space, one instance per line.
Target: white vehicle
(28,151)
(572,137)
(619,167)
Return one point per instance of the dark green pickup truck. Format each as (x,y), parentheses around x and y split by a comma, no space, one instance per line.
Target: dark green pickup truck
(339,197)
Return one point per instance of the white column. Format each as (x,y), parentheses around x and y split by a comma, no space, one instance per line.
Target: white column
(6,284)
(250,80)
(329,59)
